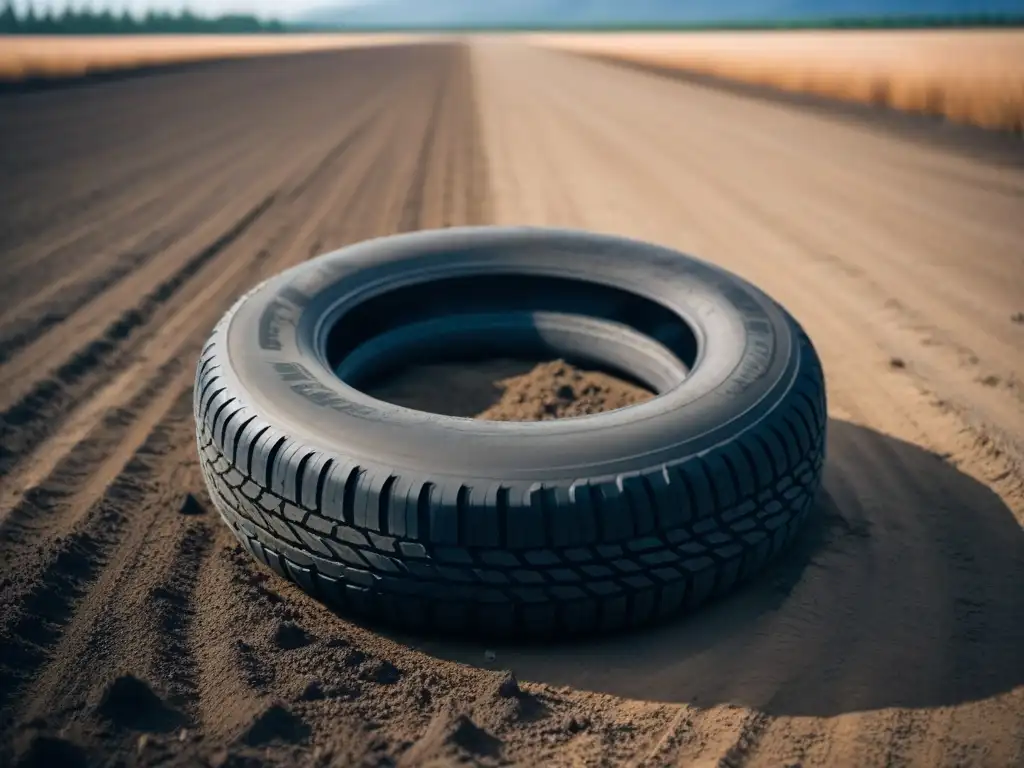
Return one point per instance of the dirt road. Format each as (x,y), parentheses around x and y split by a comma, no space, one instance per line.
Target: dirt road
(133,211)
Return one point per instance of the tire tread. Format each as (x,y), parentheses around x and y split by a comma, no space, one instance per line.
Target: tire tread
(534,560)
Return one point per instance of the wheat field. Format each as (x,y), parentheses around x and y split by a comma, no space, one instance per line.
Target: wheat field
(64,56)
(971,76)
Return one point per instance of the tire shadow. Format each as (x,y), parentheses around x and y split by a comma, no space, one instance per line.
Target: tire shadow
(902,591)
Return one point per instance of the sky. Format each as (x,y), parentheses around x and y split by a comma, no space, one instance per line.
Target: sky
(290,9)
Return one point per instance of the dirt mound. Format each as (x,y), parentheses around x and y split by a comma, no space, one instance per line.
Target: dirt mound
(129,702)
(513,704)
(452,734)
(276,724)
(557,390)
(508,390)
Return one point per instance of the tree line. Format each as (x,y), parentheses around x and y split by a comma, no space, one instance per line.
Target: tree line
(86,21)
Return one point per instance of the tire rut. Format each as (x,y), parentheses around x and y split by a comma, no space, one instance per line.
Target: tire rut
(114,246)
(24,424)
(196,324)
(39,622)
(415,196)
(39,503)
(175,606)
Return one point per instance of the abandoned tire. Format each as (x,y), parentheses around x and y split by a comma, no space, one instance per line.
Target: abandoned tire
(551,528)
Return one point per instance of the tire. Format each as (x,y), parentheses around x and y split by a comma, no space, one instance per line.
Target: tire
(547,529)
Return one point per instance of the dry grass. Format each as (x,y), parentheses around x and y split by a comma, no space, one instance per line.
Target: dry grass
(24,57)
(972,77)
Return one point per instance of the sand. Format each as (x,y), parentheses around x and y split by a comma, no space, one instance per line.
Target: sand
(508,390)
(133,212)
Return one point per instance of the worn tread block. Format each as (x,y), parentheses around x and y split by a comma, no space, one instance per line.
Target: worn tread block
(444,515)
(282,529)
(643,607)
(367,499)
(581,515)
(309,483)
(479,519)
(314,542)
(697,488)
(285,470)
(613,512)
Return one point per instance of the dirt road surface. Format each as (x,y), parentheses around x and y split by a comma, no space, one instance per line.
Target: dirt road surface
(133,211)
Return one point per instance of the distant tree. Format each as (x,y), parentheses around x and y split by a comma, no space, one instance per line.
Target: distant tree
(30,24)
(125,23)
(85,20)
(8,19)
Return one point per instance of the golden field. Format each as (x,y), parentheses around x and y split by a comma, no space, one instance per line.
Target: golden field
(970,76)
(63,56)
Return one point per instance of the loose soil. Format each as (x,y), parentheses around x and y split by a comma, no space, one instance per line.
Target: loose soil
(134,212)
(509,390)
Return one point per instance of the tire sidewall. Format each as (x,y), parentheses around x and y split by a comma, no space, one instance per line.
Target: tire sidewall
(274,361)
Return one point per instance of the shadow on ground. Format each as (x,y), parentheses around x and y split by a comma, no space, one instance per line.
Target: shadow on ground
(903,591)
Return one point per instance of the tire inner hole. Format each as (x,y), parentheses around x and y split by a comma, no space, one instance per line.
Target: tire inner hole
(511,347)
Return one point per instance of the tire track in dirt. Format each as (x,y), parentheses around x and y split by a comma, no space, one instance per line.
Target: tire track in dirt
(199,323)
(37,301)
(109,155)
(79,478)
(27,421)
(275,126)
(135,602)
(51,602)
(193,326)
